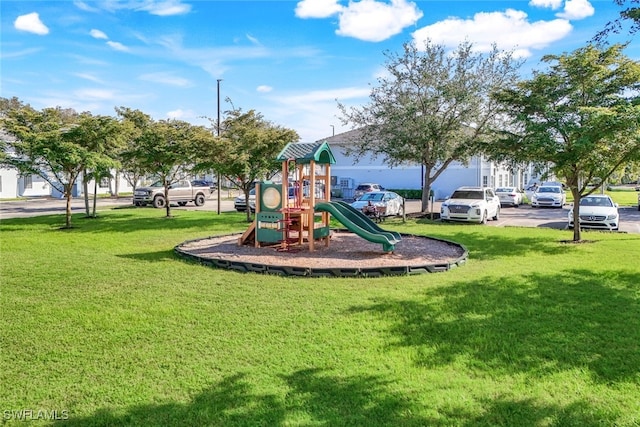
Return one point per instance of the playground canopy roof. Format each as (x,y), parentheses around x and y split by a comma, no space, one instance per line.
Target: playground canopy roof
(306,152)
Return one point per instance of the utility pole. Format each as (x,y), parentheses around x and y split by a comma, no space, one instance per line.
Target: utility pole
(218,135)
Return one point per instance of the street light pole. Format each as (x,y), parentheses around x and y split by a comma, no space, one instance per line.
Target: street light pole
(333,130)
(218,135)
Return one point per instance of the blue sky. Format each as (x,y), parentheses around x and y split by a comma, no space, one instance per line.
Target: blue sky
(289,60)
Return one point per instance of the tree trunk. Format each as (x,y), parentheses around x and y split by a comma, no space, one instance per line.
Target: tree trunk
(246,195)
(426,189)
(166,199)
(67,194)
(576,214)
(85,188)
(95,197)
(116,184)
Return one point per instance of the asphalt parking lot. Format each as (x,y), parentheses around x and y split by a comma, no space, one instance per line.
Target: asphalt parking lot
(523,216)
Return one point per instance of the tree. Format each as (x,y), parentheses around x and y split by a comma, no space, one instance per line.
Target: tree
(246,150)
(164,148)
(47,143)
(581,116)
(433,108)
(102,135)
(630,13)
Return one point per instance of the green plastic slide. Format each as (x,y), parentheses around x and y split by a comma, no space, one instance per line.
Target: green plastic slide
(360,224)
(365,222)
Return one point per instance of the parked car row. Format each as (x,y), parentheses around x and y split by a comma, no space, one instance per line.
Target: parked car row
(476,204)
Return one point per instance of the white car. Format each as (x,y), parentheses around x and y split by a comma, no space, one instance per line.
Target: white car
(473,204)
(240,203)
(365,188)
(380,203)
(597,211)
(548,196)
(510,196)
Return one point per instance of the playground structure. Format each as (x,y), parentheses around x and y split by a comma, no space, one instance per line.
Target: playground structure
(298,209)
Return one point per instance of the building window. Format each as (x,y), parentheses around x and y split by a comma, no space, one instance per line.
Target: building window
(485,181)
(28,181)
(104,182)
(0,184)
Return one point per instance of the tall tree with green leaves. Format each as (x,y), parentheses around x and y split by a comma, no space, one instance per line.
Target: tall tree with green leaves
(48,143)
(246,150)
(102,135)
(432,108)
(581,116)
(167,149)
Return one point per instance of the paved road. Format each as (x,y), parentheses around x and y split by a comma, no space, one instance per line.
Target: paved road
(524,216)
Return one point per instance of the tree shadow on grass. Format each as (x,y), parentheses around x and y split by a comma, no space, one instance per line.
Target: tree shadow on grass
(314,398)
(486,246)
(527,412)
(152,256)
(540,325)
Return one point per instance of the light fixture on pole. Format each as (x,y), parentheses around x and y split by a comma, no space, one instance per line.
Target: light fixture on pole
(218,135)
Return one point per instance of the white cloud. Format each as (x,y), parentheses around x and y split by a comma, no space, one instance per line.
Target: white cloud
(95,94)
(89,77)
(180,114)
(253,40)
(551,4)
(374,21)
(167,79)
(264,89)
(118,46)
(83,6)
(97,34)
(576,9)
(31,23)
(509,30)
(317,8)
(166,8)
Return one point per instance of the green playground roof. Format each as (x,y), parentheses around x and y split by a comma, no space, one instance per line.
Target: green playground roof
(303,152)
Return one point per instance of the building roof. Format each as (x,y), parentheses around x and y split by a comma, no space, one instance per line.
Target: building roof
(303,152)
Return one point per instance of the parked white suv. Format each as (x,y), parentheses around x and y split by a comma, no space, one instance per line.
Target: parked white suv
(473,204)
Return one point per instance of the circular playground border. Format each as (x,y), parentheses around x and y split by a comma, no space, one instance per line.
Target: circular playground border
(275,267)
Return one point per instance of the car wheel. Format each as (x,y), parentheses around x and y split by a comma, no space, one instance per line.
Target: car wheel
(497,215)
(159,202)
(484,218)
(199,201)
(137,204)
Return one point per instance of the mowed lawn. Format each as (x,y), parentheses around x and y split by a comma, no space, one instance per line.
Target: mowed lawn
(104,325)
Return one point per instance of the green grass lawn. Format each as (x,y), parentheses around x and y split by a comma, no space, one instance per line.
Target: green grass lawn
(621,196)
(105,325)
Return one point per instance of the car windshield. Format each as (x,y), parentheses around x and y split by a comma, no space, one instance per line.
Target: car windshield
(595,201)
(504,190)
(467,194)
(363,187)
(549,190)
(373,197)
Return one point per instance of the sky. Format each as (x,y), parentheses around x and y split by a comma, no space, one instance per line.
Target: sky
(291,61)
